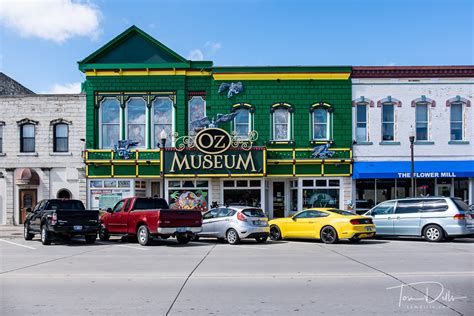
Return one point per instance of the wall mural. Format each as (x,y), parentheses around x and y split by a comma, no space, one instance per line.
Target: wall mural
(189,200)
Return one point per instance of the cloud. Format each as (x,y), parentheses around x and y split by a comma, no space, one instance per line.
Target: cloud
(67,88)
(54,20)
(196,54)
(214,46)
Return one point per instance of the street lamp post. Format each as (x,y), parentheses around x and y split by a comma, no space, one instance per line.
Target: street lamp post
(163,137)
(412,149)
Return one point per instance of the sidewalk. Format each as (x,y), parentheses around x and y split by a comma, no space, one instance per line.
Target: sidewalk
(10,231)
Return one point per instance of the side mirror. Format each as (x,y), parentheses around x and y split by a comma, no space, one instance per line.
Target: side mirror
(109,210)
(28,210)
(293,218)
(373,213)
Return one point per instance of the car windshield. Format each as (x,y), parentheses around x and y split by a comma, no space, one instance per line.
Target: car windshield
(150,204)
(67,205)
(461,205)
(254,212)
(341,212)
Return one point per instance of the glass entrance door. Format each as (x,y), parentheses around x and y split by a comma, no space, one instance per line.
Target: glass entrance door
(278,199)
(444,187)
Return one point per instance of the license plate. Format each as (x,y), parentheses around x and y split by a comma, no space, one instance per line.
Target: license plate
(368,228)
(182,229)
(259,223)
(77,227)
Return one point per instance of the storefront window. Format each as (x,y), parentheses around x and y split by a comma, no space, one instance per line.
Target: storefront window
(294,196)
(403,188)
(365,198)
(461,188)
(104,194)
(189,194)
(162,120)
(425,187)
(385,190)
(327,198)
(242,192)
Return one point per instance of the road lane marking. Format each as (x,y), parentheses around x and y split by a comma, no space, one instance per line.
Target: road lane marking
(132,247)
(17,244)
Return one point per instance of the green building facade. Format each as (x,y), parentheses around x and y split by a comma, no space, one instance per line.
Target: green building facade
(278,137)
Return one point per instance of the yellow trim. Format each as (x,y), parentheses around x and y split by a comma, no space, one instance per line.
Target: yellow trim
(294,161)
(146,72)
(161,159)
(281,104)
(323,104)
(242,104)
(213,175)
(282,76)
(306,149)
(123,162)
(306,161)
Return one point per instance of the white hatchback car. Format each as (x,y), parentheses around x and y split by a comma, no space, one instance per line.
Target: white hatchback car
(233,223)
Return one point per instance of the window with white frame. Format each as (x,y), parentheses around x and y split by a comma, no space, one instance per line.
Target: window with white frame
(136,121)
(281,124)
(388,122)
(242,192)
(421,117)
(162,120)
(27,138)
(61,137)
(242,123)
(109,122)
(321,193)
(456,121)
(2,124)
(196,111)
(321,123)
(361,123)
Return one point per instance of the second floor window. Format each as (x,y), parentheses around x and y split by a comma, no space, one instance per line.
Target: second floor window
(110,122)
(388,122)
(61,138)
(162,119)
(421,121)
(27,138)
(1,137)
(320,124)
(196,111)
(281,125)
(136,121)
(242,123)
(456,121)
(361,123)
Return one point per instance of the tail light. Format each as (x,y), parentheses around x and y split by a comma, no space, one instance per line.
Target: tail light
(459,216)
(355,222)
(241,217)
(361,221)
(54,219)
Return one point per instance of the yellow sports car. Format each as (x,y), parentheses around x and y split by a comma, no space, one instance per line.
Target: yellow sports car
(329,225)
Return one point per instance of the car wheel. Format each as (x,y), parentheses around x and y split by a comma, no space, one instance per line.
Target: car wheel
(354,239)
(329,235)
(183,239)
(433,233)
(26,232)
(45,238)
(232,237)
(90,239)
(143,234)
(261,240)
(275,233)
(103,233)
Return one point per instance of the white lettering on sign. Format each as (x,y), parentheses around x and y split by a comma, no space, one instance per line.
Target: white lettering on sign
(427,174)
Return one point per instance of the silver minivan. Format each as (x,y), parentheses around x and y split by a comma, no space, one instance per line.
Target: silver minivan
(434,218)
(233,223)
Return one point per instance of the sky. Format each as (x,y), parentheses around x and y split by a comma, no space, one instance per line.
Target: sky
(42,40)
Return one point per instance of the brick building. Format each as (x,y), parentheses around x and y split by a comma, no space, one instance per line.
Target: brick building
(291,131)
(40,151)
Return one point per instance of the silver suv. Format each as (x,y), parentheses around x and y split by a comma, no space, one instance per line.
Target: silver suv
(434,218)
(234,223)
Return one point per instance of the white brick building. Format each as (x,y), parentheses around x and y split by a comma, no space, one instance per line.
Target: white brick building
(40,151)
(434,104)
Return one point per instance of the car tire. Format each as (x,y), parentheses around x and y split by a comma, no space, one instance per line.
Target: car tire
(232,237)
(45,236)
(275,233)
(355,240)
(143,234)
(26,232)
(329,235)
(90,239)
(433,233)
(103,233)
(183,239)
(261,240)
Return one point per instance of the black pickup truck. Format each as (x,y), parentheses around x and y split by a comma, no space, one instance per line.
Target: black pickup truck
(57,218)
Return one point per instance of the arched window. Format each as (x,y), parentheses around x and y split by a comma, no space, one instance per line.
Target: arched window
(361,106)
(136,121)
(321,121)
(2,124)
(162,119)
(196,111)
(281,117)
(110,122)
(27,135)
(422,117)
(61,137)
(457,105)
(242,124)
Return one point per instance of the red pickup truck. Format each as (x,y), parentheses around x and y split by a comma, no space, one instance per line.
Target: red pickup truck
(147,218)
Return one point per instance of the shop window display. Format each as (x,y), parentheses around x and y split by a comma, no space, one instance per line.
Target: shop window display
(242,192)
(189,195)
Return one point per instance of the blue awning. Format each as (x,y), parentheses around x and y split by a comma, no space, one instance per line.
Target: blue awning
(423,169)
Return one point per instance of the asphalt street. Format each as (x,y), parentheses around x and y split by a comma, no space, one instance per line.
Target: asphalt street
(375,277)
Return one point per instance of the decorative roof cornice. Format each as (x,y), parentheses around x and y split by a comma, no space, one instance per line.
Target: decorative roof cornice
(412,71)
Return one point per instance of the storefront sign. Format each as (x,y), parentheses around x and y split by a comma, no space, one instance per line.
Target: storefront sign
(214,151)
(427,174)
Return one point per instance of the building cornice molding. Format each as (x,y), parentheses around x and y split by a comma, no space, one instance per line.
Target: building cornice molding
(412,71)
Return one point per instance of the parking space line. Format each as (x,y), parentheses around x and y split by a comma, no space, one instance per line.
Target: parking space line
(16,244)
(132,247)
